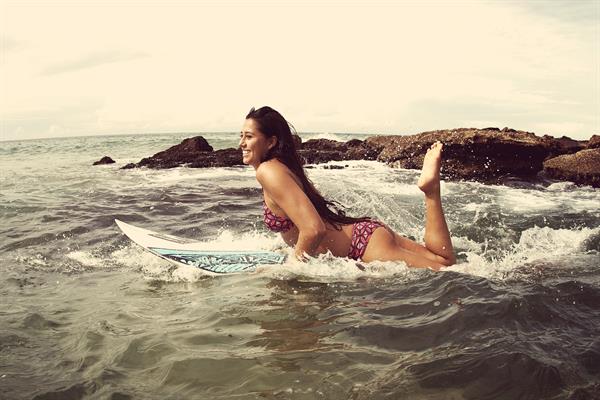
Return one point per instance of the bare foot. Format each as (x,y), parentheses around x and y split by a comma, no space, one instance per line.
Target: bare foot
(429,182)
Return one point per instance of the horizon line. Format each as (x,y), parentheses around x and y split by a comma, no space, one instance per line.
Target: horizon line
(299,133)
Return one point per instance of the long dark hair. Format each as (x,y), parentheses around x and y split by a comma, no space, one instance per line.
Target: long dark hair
(271,123)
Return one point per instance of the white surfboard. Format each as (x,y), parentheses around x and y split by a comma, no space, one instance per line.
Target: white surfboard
(180,251)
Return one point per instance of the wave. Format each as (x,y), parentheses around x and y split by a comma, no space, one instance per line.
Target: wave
(323,135)
(536,246)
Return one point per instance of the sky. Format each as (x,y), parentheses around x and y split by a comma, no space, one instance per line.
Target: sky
(73,68)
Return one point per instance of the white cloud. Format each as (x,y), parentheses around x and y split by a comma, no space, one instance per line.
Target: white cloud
(389,67)
(567,128)
(91,60)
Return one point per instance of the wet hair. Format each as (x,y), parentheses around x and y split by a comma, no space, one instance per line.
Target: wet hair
(272,124)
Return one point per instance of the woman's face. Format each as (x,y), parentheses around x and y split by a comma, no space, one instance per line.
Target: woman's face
(254,143)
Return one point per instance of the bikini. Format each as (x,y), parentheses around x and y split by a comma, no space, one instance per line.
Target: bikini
(361,231)
(274,222)
(361,234)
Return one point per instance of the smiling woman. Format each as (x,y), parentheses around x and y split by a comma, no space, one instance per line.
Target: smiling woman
(314,225)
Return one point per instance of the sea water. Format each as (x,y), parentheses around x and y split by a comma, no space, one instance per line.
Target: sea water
(87,314)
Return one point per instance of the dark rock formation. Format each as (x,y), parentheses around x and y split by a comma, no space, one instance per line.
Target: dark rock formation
(104,160)
(582,167)
(194,152)
(563,145)
(594,142)
(197,153)
(186,152)
(316,151)
(221,158)
(480,154)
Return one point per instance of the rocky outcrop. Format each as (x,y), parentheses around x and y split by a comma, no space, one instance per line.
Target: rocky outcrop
(582,167)
(480,154)
(594,142)
(186,152)
(563,145)
(104,160)
(220,158)
(316,151)
(194,152)
(197,153)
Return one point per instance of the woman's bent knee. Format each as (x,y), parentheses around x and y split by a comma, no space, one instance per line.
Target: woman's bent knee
(448,261)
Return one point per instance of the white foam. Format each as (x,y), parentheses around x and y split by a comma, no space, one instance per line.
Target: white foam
(536,245)
(561,187)
(324,268)
(35,261)
(544,242)
(153,177)
(327,268)
(519,200)
(469,245)
(133,256)
(86,259)
(559,196)
(322,135)
(153,267)
(228,240)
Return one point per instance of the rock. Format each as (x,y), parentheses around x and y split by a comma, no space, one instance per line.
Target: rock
(197,153)
(221,158)
(194,152)
(316,151)
(594,142)
(104,160)
(188,151)
(582,167)
(563,145)
(480,154)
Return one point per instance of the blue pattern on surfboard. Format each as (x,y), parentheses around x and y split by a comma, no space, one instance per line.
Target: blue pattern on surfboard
(222,262)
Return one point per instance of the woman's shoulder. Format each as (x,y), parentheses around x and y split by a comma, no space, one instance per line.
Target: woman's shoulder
(271,169)
(275,172)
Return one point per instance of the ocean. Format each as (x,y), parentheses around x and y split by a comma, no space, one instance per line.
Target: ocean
(86,314)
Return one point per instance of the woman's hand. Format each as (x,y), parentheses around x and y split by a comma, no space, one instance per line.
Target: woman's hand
(308,243)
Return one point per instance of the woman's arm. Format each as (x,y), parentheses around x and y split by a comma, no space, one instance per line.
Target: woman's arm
(278,183)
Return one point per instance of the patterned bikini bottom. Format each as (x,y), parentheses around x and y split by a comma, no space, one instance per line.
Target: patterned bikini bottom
(361,234)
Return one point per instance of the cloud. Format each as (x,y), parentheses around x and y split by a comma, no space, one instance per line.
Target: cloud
(578,12)
(8,44)
(92,61)
(380,67)
(568,128)
(78,118)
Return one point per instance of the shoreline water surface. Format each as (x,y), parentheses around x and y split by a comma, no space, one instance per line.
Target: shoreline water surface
(86,314)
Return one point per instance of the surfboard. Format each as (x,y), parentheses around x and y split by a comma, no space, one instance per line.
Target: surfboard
(186,252)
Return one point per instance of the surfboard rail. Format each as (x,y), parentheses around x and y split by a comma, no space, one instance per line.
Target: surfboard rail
(186,252)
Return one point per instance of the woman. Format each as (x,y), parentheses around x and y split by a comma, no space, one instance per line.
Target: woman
(313,225)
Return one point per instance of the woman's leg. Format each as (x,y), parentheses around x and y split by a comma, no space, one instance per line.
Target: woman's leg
(385,245)
(437,236)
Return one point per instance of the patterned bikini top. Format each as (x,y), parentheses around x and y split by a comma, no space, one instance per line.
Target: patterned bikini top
(274,222)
